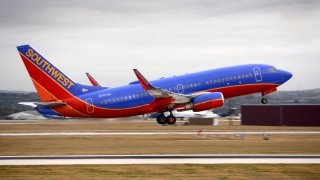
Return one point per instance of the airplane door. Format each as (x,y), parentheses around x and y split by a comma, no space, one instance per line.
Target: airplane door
(180,88)
(89,103)
(257,74)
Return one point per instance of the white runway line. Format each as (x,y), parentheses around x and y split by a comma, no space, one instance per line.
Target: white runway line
(158,133)
(157,161)
(160,159)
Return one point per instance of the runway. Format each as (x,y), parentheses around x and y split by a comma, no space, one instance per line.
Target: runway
(124,133)
(162,159)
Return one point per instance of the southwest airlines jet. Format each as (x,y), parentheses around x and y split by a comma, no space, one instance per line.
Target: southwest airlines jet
(62,97)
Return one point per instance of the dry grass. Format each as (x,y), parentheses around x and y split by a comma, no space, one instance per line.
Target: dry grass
(152,144)
(269,172)
(158,144)
(123,125)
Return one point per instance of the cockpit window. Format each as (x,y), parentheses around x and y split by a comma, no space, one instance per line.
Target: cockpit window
(272,69)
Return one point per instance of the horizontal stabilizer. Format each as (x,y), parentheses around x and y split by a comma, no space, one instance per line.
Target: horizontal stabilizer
(47,104)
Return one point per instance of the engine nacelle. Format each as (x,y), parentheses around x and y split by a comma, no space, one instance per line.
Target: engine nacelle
(203,102)
(207,101)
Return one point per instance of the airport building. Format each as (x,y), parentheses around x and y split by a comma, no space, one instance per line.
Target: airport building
(280,115)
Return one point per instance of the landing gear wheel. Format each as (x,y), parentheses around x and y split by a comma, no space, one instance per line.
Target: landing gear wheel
(264,101)
(171,119)
(161,119)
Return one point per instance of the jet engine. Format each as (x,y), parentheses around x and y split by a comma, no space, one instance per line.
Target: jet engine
(203,102)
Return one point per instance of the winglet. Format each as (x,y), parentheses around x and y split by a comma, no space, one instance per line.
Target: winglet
(143,81)
(93,81)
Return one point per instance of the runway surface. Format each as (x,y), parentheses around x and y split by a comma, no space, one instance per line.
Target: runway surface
(92,133)
(162,159)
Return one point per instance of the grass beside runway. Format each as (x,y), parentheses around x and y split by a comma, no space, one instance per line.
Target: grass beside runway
(159,144)
(101,125)
(269,172)
(149,144)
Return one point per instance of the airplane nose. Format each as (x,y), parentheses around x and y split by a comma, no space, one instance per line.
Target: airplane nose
(286,75)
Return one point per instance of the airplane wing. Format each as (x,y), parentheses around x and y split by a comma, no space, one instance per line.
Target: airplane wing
(167,101)
(93,81)
(158,93)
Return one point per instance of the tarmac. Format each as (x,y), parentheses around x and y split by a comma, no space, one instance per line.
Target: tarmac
(93,133)
(162,159)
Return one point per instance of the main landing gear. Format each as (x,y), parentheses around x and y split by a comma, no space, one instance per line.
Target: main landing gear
(161,119)
(264,100)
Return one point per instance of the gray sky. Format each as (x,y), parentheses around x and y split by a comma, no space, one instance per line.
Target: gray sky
(109,38)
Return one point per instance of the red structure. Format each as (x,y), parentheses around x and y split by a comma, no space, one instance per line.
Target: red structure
(280,115)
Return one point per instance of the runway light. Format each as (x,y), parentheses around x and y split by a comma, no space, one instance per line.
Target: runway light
(265,136)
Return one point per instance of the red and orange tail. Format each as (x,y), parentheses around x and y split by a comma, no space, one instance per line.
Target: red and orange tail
(50,83)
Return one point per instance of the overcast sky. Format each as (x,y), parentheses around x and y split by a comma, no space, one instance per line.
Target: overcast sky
(161,38)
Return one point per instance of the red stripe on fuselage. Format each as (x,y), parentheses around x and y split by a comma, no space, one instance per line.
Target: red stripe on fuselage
(244,89)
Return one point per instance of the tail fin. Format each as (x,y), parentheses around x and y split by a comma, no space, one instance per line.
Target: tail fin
(50,83)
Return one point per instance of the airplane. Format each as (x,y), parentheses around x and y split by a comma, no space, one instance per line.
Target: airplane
(61,96)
